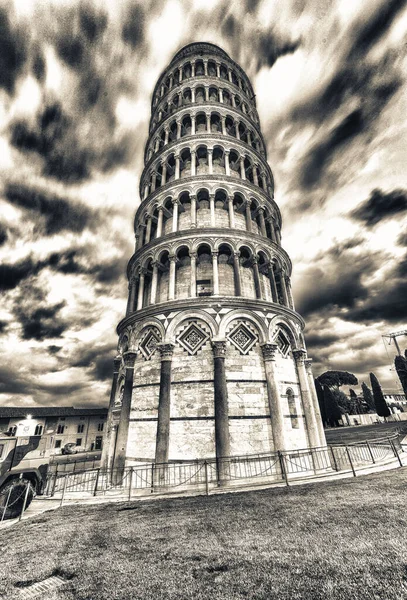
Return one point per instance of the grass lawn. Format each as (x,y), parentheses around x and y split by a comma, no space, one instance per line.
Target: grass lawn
(348,435)
(333,540)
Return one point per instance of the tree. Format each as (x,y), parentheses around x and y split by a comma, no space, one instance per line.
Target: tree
(342,401)
(355,403)
(400,362)
(333,412)
(368,398)
(337,378)
(321,402)
(381,407)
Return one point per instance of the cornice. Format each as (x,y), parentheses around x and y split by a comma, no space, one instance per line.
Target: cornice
(204,234)
(202,302)
(201,107)
(202,179)
(209,80)
(219,137)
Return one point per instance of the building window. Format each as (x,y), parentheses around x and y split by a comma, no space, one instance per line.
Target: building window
(57,443)
(79,442)
(100,426)
(81,418)
(62,418)
(293,409)
(60,429)
(12,430)
(81,427)
(38,430)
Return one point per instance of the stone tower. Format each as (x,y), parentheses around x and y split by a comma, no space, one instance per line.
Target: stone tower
(212,360)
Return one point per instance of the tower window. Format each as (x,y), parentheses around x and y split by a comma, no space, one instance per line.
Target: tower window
(81,427)
(38,430)
(60,428)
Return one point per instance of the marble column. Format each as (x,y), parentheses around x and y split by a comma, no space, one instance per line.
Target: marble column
(236,272)
(215,270)
(248,215)
(227,165)
(315,403)
(193,256)
(193,162)
(148,230)
(242,171)
(123,429)
(276,410)
(273,286)
(171,286)
(154,282)
(174,216)
(255,267)
(160,222)
(307,401)
(141,289)
(284,289)
(231,212)
(208,123)
(193,210)
(210,163)
(109,441)
(262,222)
(222,436)
(132,296)
(177,165)
(212,209)
(164,404)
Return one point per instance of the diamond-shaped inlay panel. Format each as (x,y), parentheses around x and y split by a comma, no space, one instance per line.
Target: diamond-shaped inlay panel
(193,338)
(242,338)
(148,345)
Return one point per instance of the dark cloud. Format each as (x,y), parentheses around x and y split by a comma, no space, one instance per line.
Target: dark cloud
(402,239)
(39,66)
(133,28)
(229,26)
(92,23)
(60,214)
(43,323)
(55,139)
(381,206)
(3,234)
(387,304)
(14,382)
(71,50)
(3,326)
(99,359)
(321,340)
(371,30)
(270,48)
(317,158)
(54,349)
(13,52)
(12,275)
(340,281)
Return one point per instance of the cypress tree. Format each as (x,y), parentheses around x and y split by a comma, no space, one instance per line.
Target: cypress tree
(354,402)
(368,398)
(333,412)
(321,402)
(381,407)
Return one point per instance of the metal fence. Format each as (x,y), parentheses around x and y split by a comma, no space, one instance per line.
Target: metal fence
(229,472)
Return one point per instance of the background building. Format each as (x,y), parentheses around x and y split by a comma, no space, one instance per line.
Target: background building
(212,359)
(57,426)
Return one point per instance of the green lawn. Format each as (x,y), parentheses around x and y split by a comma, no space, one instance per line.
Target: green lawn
(334,540)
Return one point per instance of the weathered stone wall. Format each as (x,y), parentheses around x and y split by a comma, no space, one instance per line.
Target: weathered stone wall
(226,279)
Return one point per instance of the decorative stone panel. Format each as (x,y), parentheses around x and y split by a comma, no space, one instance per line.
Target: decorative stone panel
(243,338)
(193,338)
(148,344)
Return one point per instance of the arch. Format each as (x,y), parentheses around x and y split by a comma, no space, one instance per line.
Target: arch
(226,270)
(281,322)
(236,314)
(192,314)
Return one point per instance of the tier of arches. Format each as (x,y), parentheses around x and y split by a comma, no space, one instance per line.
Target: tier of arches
(204,209)
(208,270)
(205,159)
(198,123)
(205,67)
(201,94)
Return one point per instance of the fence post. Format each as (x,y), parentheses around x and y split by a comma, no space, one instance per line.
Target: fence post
(130,481)
(63,490)
(334,458)
(283,466)
(152,477)
(55,481)
(206,478)
(96,482)
(350,460)
(7,501)
(370,452)
(393,445)
(25,501)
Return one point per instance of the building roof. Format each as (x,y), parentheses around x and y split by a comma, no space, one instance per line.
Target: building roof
(49,411)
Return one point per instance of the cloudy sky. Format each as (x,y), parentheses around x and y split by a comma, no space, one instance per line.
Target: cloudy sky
(75,86)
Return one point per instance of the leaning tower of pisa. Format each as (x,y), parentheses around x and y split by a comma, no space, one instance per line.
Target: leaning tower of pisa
(212,360)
